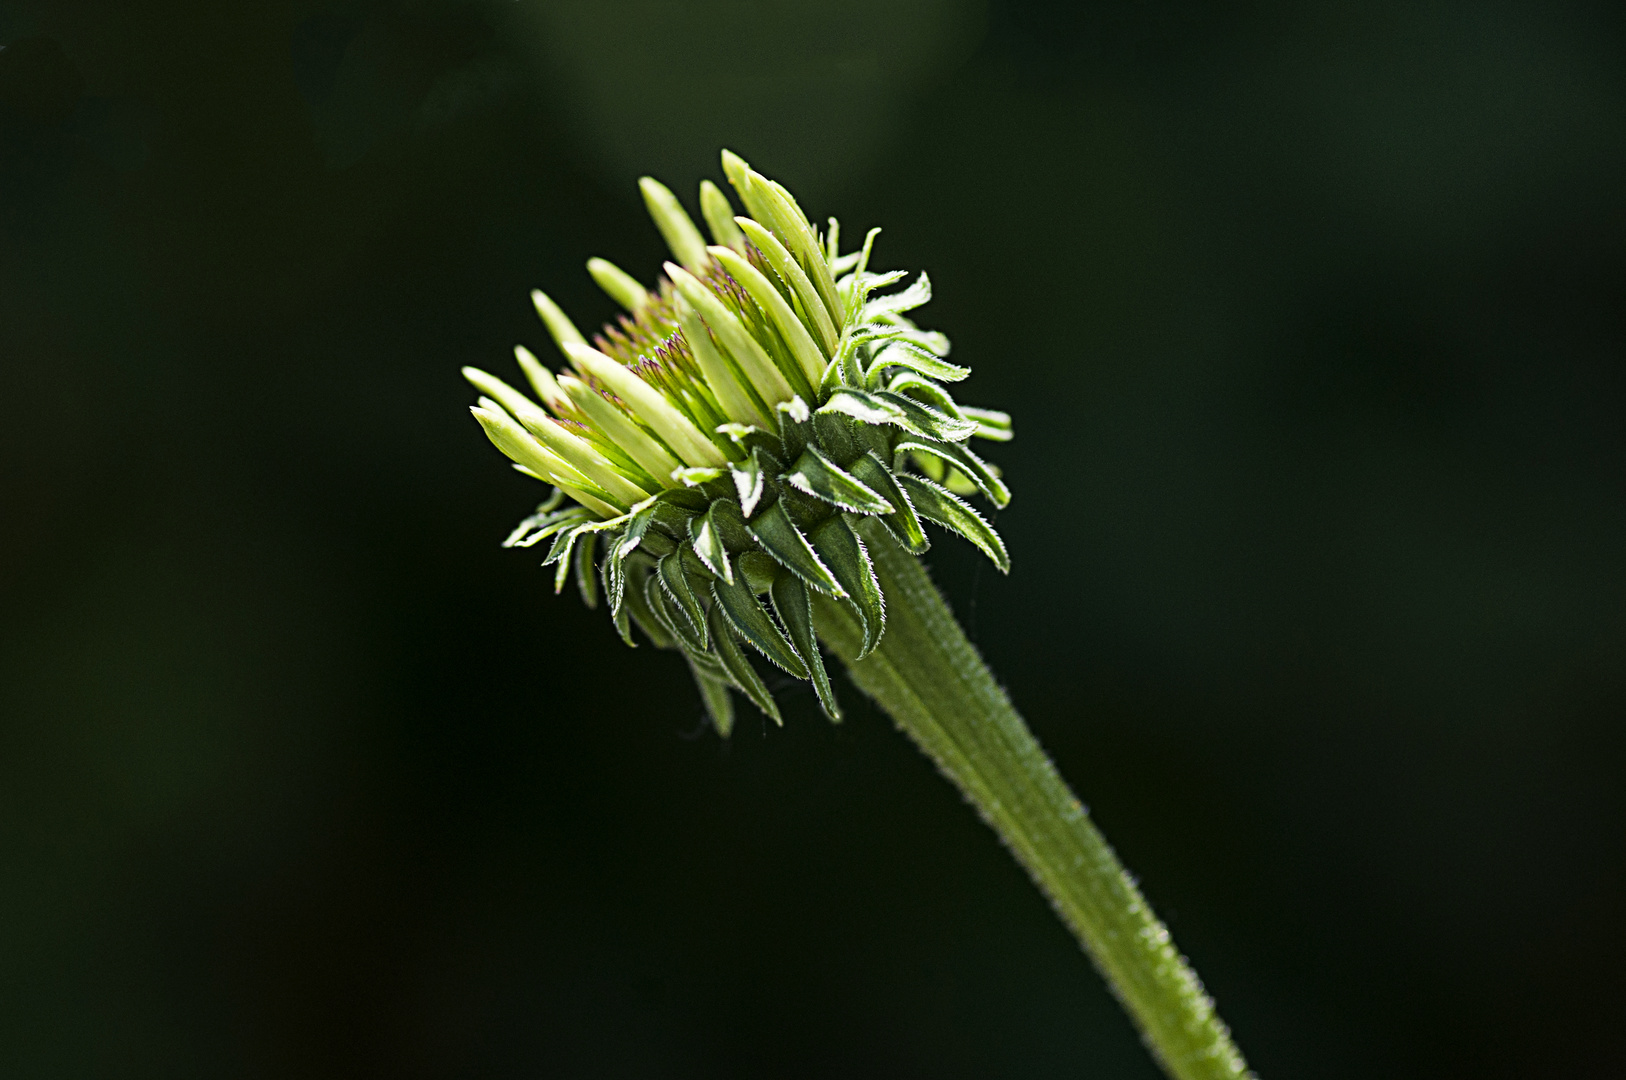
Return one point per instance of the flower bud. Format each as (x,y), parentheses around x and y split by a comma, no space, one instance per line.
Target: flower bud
(745,429)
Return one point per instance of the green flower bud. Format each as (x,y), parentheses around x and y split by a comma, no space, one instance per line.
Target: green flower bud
(758,417)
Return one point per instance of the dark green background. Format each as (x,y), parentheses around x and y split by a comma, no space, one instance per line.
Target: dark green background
(1311,318)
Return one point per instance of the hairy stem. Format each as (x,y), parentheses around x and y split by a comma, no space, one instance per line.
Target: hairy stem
(938,690)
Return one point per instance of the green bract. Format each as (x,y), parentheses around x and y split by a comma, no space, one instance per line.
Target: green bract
(714,453)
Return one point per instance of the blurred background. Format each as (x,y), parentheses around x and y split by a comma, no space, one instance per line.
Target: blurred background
(1312,320)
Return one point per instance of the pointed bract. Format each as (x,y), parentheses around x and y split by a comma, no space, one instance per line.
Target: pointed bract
(714,693)
(843,552)
(902,522)
(936,503)
(780,537)
(795,610)
(738,667)
(750,619)
(706,537)
(824,479)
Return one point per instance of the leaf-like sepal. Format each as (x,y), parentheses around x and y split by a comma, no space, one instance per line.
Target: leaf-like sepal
(967,462)
(822,478)
(706,537)
(714,693)
(865,283)
(730,526)
(675,584)
(923,390)
(933,341)
(936,503)
(562,571)
(795,609)
(757,570)
(677,629)
(780,538)
(622,628)
(614,572)
(862,405)
(530,536)
(547,520)
(747,615)
(884,407)
(906,354)
(843,552)
(564,543)
(991,423)
(697,475)
(896,304)
(738,667)
(586,580)
(751,479)
(635,608)
(922,420)
(902,523)
(655,512)
(914,296)
(795,426)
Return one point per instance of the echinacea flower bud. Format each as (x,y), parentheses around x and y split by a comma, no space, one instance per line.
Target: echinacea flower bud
(735,442)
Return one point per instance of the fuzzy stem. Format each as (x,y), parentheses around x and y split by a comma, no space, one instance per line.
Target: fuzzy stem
(938,690)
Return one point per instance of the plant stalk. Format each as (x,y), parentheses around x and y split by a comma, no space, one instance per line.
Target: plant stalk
(938,690)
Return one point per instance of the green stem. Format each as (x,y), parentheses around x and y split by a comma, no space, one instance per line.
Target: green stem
(938,690)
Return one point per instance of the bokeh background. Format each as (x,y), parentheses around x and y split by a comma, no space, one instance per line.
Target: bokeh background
(1312,320)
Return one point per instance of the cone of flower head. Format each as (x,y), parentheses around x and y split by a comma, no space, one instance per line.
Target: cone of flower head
(727,447)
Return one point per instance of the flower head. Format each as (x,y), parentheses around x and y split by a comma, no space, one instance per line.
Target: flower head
(740,433)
